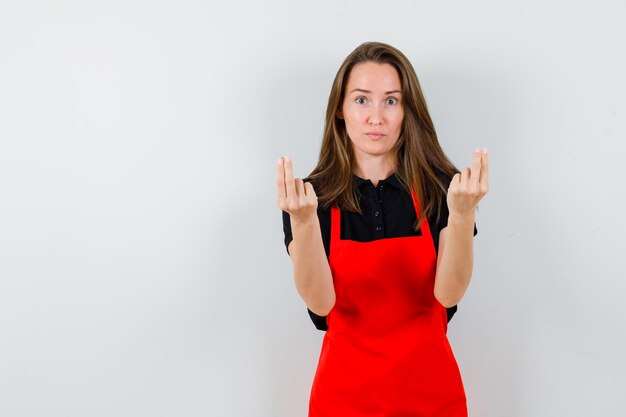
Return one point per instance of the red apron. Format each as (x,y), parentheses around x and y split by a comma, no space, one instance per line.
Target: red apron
(386,353)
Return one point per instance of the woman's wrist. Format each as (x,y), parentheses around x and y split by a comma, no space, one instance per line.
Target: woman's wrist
(303,221)
(459,220)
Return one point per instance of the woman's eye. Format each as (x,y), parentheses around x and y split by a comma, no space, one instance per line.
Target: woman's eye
(393,100)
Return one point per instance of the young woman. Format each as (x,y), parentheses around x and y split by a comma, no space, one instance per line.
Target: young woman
(381,239)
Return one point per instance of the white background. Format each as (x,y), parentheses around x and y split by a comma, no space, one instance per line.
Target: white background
(142,264)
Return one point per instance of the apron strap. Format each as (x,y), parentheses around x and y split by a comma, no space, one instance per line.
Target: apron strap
(425,228)
(335,223)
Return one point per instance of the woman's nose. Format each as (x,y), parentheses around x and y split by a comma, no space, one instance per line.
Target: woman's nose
(375,115)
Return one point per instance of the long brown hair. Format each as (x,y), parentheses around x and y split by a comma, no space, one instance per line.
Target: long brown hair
(421,163)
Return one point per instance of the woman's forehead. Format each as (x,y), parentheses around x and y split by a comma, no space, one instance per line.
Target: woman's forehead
(372,77)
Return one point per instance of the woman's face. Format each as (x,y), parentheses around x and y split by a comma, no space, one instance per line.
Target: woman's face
(373,103)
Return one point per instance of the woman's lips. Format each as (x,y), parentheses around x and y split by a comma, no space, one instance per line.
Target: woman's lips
(374,135)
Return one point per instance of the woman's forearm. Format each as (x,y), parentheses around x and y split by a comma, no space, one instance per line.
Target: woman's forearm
(311,271)
(455,260)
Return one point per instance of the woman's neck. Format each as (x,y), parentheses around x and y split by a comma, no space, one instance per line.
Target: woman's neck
(375,169)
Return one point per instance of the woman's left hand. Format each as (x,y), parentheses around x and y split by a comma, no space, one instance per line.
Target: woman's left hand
(467,188)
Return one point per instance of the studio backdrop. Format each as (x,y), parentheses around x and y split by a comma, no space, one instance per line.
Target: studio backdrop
(142,265)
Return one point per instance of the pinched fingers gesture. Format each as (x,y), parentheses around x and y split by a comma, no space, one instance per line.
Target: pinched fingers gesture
(467,188)
(294,196)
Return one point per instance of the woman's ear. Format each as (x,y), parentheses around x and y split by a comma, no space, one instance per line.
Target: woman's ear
(339,114)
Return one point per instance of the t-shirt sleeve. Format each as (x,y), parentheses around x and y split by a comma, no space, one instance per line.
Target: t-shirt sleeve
(287,230)
(319,321)
(451,311)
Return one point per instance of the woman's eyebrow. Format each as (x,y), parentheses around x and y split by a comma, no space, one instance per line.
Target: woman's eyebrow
(368,91)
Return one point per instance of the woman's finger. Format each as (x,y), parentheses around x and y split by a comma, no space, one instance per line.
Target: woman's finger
(484,173)
(310,193)
(309,190)
(289,184)
(475,176)
(464,179)
(299,190)
(454,182)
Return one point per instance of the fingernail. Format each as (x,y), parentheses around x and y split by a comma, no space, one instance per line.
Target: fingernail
(485,150)
(477,150)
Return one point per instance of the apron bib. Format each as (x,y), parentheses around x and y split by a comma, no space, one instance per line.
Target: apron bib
(386,353)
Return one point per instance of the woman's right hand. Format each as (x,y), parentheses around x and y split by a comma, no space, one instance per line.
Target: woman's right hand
(294,196)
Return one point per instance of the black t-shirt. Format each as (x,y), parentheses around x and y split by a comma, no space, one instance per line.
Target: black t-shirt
(388,212)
